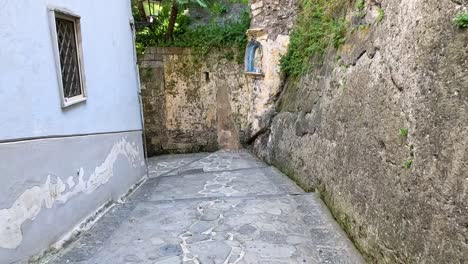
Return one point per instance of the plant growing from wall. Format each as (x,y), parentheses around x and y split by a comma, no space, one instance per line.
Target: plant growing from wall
(320,24)
(409,162)
(403,132)
(461,20)
(381,14)
(360,5)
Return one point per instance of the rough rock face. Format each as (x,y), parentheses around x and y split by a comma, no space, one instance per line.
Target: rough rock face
(341,130)
(275,16)
(271,23)
(191,102)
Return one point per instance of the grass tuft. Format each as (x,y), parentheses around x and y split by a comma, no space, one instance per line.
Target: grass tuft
(403,132)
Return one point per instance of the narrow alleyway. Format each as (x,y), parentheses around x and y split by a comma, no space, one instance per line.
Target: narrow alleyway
(225,207)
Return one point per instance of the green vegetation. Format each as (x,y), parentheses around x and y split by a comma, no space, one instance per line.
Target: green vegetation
(360,5)
(245,2)
(175,10)
(403,132)
(461,20)
(320,24)
(409,162)
(338,32)
(229,55)
(381,14)
(407,165)
(218,9)
(201,38)
(214,35)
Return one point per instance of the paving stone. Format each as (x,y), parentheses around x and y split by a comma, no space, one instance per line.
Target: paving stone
(195,238)
(211,251)
(243,215)
(171,260)
(170,250)
(210,215)
(201,226)
(132,258)
(246,229)
(273,237)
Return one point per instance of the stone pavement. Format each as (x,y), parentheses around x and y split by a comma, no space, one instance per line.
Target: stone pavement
(225,207)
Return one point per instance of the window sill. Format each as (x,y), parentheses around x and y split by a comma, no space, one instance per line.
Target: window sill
(73,100)
(256,74)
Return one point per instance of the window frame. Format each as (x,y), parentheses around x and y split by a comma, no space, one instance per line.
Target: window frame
(64,14)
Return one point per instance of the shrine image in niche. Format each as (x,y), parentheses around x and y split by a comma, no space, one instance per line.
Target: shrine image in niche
(253,57)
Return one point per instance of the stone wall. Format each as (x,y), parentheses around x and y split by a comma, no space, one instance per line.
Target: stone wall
(341,130)
(193,102)
(271,23)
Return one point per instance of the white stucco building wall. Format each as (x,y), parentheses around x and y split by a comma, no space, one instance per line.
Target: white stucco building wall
(59,165)
(29,91)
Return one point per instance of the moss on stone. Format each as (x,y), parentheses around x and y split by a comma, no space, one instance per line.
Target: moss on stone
(291,173)
(147,74)
(288,98)
(347,223)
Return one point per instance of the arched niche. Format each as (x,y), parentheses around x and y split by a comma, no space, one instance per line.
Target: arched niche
(253,57)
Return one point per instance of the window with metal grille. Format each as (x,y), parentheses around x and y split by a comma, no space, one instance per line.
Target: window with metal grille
(66,31)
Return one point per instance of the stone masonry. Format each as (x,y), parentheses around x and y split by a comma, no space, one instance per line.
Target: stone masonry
(192,102)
